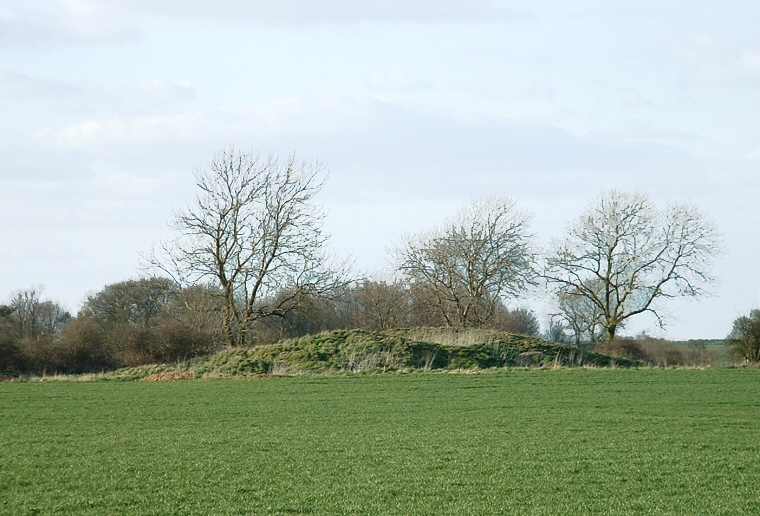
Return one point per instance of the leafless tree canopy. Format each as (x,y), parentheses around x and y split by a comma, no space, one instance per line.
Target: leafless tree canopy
(255,231)
(623,256)
(33,316)
(480,256)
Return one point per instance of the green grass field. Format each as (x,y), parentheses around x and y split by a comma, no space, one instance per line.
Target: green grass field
(568,441)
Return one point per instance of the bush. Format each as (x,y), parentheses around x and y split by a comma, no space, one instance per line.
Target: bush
(80,348)
(174,340)
(657,352)
(11,358)
(622,347)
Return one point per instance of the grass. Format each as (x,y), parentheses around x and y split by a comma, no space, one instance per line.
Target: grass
(525,441)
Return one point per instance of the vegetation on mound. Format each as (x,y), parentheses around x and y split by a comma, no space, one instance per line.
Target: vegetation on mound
(355,351)
(399,350)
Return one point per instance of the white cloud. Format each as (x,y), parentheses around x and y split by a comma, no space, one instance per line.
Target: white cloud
(48,22)
(396,80)
(99,135)
(95,21)
(717,62)
(336,11)
(18,84)
(155,95)
(117,21)
(143,96)
(632,98)
(380,141)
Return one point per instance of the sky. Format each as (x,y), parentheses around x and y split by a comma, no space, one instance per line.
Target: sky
(415,107)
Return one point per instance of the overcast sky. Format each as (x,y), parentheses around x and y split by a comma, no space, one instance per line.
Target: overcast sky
(416,107)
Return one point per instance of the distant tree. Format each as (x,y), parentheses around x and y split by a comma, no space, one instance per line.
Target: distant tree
(23,306)
(381,306)
(130,302)
(256,232)
(34,317)
(623,256)
(82,348)
(557,331)
(479,257)
(744,339)
(143,320)
(51,318)
(582,317)
(521,321)
(30,331)
(424,308)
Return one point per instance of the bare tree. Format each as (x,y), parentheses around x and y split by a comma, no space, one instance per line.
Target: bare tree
(256,232)
(51,317)
(25,314)
(581,316)
(34,317)
(521,321)
(480,256)
(623,256)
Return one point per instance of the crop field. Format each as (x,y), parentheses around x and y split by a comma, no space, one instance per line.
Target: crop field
(567,441)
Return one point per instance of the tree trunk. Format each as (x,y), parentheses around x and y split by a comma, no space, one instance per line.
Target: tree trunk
(610,330)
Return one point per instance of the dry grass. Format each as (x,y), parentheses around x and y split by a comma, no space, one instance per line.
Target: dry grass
(453,337)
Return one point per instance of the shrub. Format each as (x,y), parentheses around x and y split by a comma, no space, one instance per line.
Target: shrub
(11,358)
(81,348)
(174,340)
(657,352)
(622,347)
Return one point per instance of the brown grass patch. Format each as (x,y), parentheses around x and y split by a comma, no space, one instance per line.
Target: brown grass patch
(169,376)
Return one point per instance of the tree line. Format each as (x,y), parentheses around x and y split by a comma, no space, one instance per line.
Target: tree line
(249,265)
(153,319)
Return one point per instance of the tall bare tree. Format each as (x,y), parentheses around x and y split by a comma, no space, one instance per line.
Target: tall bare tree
(478,257)
(255,231)
(623,256)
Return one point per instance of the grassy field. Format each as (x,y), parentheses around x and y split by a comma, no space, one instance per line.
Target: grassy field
(567,441)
